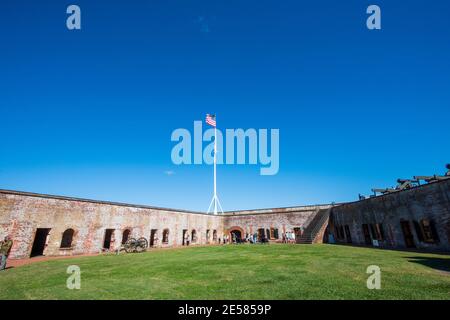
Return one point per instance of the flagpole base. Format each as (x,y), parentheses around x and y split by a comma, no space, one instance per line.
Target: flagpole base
(214,205)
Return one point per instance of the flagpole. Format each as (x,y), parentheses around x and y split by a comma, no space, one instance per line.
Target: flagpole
(215,200)
(215,170)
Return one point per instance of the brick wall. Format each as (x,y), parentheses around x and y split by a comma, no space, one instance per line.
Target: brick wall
(283,219)
(21,215)
(430,202)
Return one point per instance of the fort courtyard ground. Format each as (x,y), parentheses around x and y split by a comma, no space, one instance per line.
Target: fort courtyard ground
(273,271)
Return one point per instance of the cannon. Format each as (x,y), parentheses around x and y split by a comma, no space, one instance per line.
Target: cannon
(403,184)
(406,184)
(435,177)
(383,191)
(133,245)
(427,179)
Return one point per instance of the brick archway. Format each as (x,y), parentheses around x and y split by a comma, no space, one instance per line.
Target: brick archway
(236,228)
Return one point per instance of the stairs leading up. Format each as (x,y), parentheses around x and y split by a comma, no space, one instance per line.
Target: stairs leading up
(314,230)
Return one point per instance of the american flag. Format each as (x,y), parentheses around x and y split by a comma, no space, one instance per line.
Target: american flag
(211,120)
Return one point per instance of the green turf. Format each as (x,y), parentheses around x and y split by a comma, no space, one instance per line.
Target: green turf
(237,272)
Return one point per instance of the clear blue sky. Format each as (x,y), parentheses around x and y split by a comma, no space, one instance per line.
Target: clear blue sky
(89,113)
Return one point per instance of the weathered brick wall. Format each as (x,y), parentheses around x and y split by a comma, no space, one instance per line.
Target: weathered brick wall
(430,201)
(21,215)
(283,219)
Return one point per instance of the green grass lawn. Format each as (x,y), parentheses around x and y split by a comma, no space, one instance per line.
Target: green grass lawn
(237,272)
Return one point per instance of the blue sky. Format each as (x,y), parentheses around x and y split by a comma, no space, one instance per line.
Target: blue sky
(90,113)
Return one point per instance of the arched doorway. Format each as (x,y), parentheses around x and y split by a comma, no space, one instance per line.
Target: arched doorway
(236,233)
(67,238)
(125,235)
(165,237)
(153,237)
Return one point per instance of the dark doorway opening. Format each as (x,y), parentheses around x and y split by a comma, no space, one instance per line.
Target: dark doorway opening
(125,236)
(153,237)
(40,240)
(194,236)
(298,234)
(261,234)
(236,235)
(407,234)
(67,238)
(108,237)
(348,234)
(165,236)
(184,237)
(366,232)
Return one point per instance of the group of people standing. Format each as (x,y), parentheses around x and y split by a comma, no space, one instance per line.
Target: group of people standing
(289,237)
(253,238)
(231,239)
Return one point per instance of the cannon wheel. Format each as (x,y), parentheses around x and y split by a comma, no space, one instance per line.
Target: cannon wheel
(141,244)
(130,245)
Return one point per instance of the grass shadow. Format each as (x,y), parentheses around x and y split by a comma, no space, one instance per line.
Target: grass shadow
(7,268)
(434,263)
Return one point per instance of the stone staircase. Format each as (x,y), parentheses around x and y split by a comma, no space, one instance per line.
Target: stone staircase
(313,233)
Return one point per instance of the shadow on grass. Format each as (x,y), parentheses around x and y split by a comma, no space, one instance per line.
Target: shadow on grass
(7,268)
(434,263)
